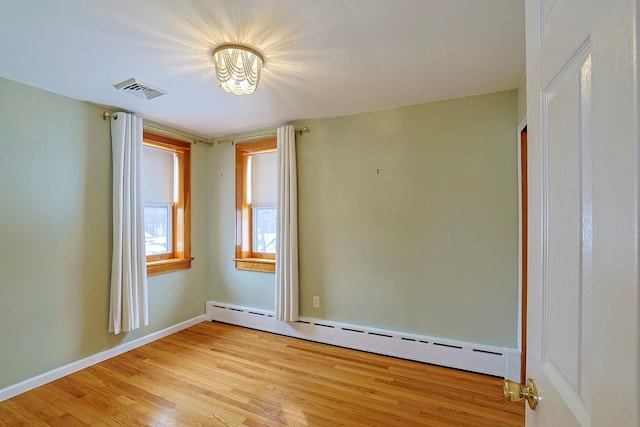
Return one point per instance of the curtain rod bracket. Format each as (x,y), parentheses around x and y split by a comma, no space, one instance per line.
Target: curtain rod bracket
(107,115)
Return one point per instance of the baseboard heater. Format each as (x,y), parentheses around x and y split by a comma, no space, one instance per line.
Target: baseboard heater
(498,361)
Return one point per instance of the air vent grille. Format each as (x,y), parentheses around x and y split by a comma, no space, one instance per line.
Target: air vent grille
(137,88)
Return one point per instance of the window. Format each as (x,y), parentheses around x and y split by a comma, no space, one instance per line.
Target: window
(167,203)
(256,211)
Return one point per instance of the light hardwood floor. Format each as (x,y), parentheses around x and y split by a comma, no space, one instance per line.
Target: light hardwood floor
(215,374)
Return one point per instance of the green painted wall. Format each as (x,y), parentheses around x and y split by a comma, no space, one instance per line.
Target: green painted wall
(407,221)
(246,288)
(55,229)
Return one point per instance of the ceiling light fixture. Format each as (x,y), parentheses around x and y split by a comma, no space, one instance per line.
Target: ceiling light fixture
(238,68)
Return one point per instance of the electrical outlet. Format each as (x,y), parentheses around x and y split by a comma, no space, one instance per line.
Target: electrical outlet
(316,302)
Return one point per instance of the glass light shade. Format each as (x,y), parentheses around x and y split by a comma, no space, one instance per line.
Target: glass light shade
(238,68)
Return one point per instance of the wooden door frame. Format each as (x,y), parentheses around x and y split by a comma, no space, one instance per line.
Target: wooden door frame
(522,247)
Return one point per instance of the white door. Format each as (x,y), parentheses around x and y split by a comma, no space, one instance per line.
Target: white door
(582,114)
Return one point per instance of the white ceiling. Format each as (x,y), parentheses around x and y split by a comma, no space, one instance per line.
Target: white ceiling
(324,58)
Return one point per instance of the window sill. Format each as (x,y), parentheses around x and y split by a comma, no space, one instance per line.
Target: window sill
(256,264)
(168,266)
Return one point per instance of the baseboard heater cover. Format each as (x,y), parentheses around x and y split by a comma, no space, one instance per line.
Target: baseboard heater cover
(498,361)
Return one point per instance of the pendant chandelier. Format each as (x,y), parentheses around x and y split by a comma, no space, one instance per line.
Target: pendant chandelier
(237,68)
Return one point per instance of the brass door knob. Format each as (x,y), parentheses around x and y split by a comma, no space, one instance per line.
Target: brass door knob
(515,392)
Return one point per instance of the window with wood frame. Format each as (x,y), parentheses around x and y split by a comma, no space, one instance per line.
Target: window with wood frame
(167,203)
(256,210)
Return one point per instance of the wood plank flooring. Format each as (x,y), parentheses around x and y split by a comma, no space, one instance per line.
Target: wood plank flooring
(215,374)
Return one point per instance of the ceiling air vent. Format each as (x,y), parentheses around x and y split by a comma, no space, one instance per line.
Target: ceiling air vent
(141,90)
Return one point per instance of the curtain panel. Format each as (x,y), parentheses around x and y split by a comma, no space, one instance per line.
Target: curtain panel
(129,301)
(287,228)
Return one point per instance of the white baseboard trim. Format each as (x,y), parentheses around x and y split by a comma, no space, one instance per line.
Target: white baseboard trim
(47,377)
(499,361)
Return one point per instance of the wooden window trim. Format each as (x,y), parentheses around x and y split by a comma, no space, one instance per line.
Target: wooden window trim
(256,264)
(245,258)
(180,256)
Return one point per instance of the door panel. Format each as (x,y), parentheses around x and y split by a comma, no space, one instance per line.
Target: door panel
(565,111)
(583,159)
(565,243)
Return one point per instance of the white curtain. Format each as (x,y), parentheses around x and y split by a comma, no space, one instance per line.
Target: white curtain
(129,306)
(287,231)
